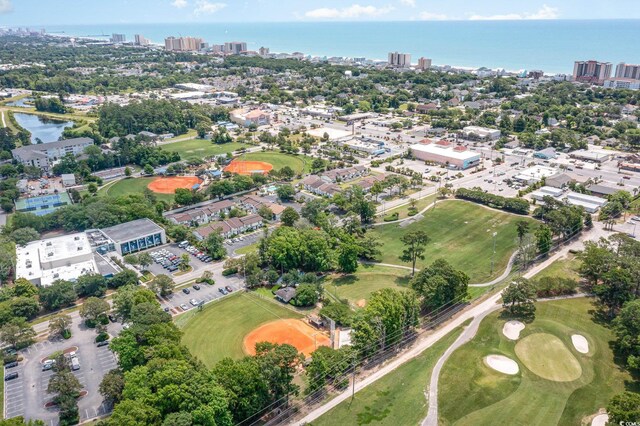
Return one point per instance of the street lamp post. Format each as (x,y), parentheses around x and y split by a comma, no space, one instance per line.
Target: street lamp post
(494,250)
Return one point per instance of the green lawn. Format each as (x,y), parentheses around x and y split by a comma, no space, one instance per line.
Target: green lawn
(403,211)
(396,399)
(132,186)
(366,280)
(218,330)
(473,394)
(299,163)
(200,148)
(251,248)
(461,233)
(562,268)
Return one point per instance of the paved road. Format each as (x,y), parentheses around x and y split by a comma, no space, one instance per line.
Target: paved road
(4,123)
(471,312)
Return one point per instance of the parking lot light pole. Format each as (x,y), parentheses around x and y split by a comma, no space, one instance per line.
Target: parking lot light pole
(494,250)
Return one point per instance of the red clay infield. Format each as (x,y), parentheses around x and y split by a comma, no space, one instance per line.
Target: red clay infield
(248,168)
(292,331)
(168,185)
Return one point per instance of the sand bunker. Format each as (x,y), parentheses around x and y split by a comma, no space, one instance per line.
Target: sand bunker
(600,420)
(580,343)
(512,329)
(502,364)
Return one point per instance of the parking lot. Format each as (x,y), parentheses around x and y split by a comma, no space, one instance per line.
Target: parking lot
(27,394)
(168,257)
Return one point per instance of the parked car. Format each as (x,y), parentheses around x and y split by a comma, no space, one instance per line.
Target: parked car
(10,376)
(194,302)
(11,364)
(184,307)
(196,287)
(101,344)
(229,289)
(186,291)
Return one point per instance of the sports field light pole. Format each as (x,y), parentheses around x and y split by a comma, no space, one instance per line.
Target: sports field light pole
(494,250)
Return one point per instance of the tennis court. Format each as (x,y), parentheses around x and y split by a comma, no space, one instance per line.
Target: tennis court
(43,204)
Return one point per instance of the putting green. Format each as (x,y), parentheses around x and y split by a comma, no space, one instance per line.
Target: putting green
(546,356)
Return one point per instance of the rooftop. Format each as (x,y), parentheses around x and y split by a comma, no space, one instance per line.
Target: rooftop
(127,231)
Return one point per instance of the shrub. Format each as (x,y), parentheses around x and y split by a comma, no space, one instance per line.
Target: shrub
(513,205)
(553,286)
(412,211)
(230,271)
(391,217)
(102,337)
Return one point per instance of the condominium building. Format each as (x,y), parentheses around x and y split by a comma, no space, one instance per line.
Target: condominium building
(140,40)
(593,72)
(183,44)
(628,71)
(424,64)
(264,51)
(44,154)
(118,38)
(400,60)
(235,47)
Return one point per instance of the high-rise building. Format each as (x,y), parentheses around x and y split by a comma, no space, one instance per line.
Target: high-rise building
(628,71)
(183,44)
(235,47)
(593,72)
(264,51)
(141,41)
(424,64)
(118,38)
(400,60)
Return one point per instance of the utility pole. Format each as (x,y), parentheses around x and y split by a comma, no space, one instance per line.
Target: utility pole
(494,250)
(353,380)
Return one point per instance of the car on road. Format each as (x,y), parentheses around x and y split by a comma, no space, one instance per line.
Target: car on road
(184,306)
(10,376)
(229,289)
(101,344)
(11,364)
(186,291)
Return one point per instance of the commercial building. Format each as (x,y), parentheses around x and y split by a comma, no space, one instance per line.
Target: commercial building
(593,156)
(593,72)
(118,38)
(246,118)
(134,236)
(482,133)
(622,83)
(235,47)
(589,203)
(62,258)
(424,64)
(534,174)
(546,191)
(365,146)
(183,44)
(400,60)
(442,152)
(44,154)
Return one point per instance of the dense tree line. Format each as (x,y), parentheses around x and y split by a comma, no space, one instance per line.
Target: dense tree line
(513,205)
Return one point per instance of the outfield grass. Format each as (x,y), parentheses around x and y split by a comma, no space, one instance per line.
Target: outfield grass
(562,268)
(132,186)
(218,330)
(299,163)
(368,279)
(460,232)
(471,393)
(200,148)
(396,399)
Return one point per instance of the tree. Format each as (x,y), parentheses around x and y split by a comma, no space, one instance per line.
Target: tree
(91,285)
(522,229)
(337,311)
(624,408)
(289,216)
(627,329)
(92,188)
(22,236)
(128,296)
(440,284)
(287,173)
(214,245)
(184,265)
(307,295)
(544,239)
(279,364)
(112,385)
(127,171)
(415,243)
(348,257)
(265,212)
(614,290)
(17,333)
(58,295)
(163,284)
(66,389)
(144,260)
(92,309)
(148,170)
(519,297)
(131,259)
(60,326)
(286,192)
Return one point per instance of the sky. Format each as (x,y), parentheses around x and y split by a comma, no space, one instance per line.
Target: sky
(66,12)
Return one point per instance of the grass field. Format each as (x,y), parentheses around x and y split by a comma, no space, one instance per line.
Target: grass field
(218,330)
(470,393)
(251,248)
(396,399)
(403,211)
(461,233)
(200,148)
(132,186)
(299,163)
(562,268)
(366,280)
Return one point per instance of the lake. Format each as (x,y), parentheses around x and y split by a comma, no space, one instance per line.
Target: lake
(21,103)
(42,128)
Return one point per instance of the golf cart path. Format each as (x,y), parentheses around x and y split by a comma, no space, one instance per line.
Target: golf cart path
(472,312)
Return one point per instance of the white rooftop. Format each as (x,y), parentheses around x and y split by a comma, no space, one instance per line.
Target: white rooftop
(433,148)
(535,173)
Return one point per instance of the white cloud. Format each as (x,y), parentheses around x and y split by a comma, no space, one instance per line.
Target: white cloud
(546,12)
(5,6)
(353,11)
(205,7)
(180,4)
(410,3)
(428,16)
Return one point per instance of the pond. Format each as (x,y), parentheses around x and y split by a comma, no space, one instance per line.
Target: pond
(21,103)
(43,128)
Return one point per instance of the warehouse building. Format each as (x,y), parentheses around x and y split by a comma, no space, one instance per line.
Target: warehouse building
(134,236)
(443,152)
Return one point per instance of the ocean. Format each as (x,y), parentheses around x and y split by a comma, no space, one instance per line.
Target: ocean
(550,45)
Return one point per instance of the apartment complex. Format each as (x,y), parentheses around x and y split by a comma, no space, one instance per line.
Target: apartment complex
(593,72)
(183,44)
(141,40)
(235,47)
(44,154)
(400,60)
(628,71)
(424,64)
(118,38)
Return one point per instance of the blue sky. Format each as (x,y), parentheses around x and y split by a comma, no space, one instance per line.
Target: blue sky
(61,12)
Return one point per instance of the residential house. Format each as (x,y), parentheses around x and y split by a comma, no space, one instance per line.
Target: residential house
(230,227)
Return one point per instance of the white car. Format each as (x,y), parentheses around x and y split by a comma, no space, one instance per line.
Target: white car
(194,302)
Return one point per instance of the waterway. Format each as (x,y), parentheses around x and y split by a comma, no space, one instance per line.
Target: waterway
(42,128)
